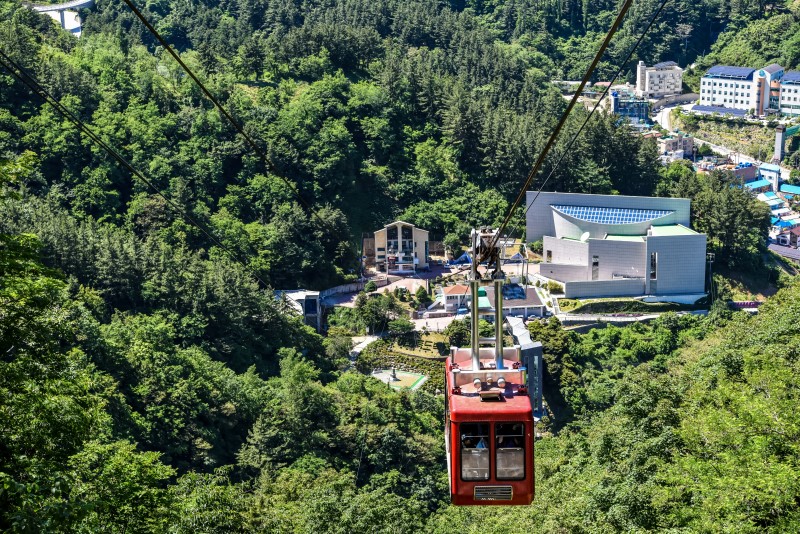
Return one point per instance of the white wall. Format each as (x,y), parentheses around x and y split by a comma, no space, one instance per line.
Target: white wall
(618,258)
(681,264)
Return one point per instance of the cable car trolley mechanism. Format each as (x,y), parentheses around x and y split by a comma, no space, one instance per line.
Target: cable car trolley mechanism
(489,424)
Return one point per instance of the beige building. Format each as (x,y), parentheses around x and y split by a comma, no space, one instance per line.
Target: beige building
(660,80)
(401,248)
(675,142)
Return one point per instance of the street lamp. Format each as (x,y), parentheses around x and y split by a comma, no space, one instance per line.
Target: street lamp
(710,256)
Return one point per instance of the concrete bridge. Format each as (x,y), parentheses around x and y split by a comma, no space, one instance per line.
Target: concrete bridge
(65,13)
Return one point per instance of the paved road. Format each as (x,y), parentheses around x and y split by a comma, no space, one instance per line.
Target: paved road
(74,4)
(663,118)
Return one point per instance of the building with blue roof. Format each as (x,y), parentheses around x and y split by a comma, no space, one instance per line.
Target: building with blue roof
(750,90)
(614,245)
(791,189)
(758,186)
(771,173)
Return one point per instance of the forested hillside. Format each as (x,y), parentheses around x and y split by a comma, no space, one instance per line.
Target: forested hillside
(148,383)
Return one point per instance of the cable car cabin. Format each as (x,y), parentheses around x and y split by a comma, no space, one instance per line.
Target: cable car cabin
(488,428)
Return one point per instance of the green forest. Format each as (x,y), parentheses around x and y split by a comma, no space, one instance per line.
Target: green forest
(150,383)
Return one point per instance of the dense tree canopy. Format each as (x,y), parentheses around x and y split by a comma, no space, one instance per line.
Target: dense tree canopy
(148,383)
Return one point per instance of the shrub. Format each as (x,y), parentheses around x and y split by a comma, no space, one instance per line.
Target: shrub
(370,286)
(554,287)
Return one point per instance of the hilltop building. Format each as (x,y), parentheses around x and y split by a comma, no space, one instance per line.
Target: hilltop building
(739,90)
(660,80)
(400,248)
(611,245)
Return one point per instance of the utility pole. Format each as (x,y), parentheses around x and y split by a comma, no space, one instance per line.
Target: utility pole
(710,260)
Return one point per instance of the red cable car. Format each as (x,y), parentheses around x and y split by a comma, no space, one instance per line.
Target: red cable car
(488,420)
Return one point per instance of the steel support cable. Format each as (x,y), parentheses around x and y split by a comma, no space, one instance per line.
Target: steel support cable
(597,105)
(261,153)
(535,170)
(20,74)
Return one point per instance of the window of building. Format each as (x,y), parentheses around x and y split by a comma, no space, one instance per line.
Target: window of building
(391,232)
(549,256)
(381,249)
(595,267)
(474,451)
(510,452)
(654,266)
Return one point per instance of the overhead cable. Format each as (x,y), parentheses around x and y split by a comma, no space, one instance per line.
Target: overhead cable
(535,170)
(258,150)
(23,76)
(594,108)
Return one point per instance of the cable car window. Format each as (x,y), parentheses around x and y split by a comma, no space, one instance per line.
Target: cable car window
(474,451)
(510,451)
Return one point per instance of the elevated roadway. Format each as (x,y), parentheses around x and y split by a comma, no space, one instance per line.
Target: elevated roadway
(74,4)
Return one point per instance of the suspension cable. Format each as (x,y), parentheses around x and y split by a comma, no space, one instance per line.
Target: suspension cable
(594,108)
(27,79)
(256,148)
(535,170)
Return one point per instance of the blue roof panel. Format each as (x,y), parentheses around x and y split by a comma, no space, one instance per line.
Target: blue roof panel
(769,167)
(725,71)
(600,215)
(758,183)
(719,109)
(792,189)
(791,76)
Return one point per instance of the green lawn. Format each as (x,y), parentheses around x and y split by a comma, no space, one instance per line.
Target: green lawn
(430,345)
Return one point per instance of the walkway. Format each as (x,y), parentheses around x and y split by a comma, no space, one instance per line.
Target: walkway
(74,4)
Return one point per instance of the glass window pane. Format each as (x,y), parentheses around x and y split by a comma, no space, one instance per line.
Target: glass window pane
(510,438)
(474,451)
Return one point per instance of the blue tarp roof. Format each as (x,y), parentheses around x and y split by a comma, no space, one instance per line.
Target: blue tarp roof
(793,189)
(516,258)
(769,167)
(787,224)
(726,71)
(789,197)
(757,184)
(769,194)
(464,259)
(719,109)
(773,220)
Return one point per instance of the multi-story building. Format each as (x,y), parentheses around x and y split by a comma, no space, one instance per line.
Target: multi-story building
(401,248)
(743,88)
(612,245)
(675,142)
(660,80)
(790,93)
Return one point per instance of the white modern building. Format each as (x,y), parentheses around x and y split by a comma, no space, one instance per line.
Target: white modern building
(743,88)
(401,248)
(305,303)
(660,80)
(611,245)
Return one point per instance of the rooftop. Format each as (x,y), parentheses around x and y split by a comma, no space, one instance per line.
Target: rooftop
(458,289)
(611,215)
(792,189)
(719,109)
(791,76)
(758,184)
(773,68)
(769,167)
(613,237)
(671,229)
(515,295)
(726,71)
(665,65)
